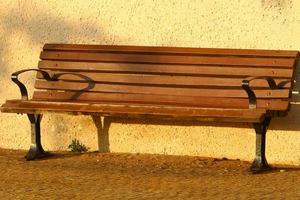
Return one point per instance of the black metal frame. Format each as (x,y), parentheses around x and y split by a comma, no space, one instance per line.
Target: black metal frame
(36,150)
(251,94)
(260,162)
(23,90)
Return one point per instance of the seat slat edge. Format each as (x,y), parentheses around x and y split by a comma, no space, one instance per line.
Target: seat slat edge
(172,111)
(279,104)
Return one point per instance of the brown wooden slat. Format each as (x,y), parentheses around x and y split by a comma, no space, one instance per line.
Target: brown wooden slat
(159,99)
(165,69)
(75,86)
(166,59)
(129,109)
(170,50)
(161,79)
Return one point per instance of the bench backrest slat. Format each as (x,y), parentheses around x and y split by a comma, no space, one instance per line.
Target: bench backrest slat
(167,59)
(161,90)
(170,50)
(166,69)
(146,79)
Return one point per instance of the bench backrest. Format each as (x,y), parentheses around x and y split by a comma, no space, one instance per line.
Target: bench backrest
(164,75)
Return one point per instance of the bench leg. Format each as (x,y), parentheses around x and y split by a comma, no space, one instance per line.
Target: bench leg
(36,150)
(260,162)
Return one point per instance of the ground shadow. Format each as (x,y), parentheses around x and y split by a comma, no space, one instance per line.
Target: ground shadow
(52,155)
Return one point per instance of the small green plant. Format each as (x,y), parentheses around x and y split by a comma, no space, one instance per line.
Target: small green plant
(77,146)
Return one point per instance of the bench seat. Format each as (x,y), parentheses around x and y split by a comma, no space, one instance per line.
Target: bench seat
(136,110)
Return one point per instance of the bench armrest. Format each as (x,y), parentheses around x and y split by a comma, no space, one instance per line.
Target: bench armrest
(23,90)
(250,92)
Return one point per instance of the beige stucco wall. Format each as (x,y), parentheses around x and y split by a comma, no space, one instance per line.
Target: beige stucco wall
(25,25)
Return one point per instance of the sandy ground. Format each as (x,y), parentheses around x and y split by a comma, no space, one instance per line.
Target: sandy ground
(132,176)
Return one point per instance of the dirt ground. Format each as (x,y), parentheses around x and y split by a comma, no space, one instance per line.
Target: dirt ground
(133,176)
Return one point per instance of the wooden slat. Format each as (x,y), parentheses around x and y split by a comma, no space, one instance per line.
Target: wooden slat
(161,79)
(170,50)
(129,109)
(159,99)
(166,59)
(98,87)
(164,69)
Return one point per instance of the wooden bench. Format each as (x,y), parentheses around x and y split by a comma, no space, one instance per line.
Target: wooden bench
(159,82)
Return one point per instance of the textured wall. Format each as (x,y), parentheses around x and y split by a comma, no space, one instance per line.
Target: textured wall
(26,25)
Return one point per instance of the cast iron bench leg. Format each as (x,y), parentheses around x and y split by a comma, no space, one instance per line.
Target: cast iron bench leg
(36,150)
(260,162)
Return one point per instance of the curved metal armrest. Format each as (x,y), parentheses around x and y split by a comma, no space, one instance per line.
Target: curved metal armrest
(23,90)
(251,94)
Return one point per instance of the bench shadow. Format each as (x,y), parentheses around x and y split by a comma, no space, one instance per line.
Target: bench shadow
(276,169)
(176,122)
(90,83)
(52,155)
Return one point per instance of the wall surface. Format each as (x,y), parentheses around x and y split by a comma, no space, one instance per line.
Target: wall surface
(25,25)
